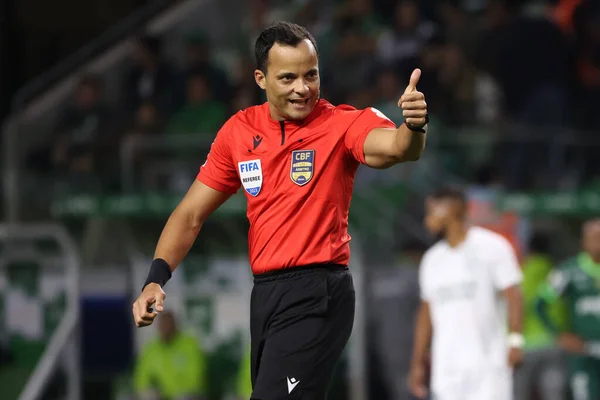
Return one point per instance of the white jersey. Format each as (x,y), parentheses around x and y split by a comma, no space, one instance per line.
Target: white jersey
(463,288)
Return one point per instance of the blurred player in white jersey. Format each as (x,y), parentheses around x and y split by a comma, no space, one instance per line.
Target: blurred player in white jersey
(471,308)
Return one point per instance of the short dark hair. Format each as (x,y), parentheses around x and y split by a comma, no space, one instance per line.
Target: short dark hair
(450,193)
(282,32)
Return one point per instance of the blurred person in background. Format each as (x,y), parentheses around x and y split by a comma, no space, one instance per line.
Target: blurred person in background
(458,27)
(400,46)
(202,115)
(542,374)
(171,367)
(577,281)
(196,123)
(529,58)
(198,52)
(150,78)
(350,64)
(456,85)
(468,280)
(363,16)
(81,137)
(147,123)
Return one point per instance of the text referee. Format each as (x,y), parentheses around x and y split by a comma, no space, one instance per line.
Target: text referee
(295,156)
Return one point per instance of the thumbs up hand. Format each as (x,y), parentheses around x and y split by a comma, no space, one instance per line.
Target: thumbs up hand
(413,105)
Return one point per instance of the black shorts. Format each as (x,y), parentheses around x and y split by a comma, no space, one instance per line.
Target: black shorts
(300,322)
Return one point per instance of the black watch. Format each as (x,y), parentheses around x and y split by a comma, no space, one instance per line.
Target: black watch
(418,128)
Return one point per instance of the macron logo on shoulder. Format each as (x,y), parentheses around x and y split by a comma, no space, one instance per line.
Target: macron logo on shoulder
(292,383)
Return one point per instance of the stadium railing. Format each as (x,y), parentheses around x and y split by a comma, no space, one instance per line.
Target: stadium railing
(39,269)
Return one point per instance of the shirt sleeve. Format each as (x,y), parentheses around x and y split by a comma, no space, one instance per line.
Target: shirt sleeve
(219,171)
(506,271)
(424,291)
(364,122)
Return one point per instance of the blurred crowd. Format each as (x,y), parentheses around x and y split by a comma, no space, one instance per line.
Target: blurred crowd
(530,69)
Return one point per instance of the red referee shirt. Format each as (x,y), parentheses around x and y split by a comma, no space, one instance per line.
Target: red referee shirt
(298,178)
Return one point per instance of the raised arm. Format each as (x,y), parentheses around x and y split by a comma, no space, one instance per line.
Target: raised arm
(386,147)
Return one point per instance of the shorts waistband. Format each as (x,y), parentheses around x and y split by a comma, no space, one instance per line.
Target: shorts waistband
(297,271)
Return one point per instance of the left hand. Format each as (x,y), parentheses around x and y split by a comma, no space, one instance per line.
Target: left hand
(515,357)
(412,102)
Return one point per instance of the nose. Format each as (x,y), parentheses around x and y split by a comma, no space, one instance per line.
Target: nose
(301,88)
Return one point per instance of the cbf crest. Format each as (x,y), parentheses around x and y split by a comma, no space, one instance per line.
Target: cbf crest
(251,176)
(303,166)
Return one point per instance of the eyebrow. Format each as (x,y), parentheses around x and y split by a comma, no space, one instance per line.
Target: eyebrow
(291,74)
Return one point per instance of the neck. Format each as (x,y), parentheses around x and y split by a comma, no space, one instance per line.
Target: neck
(456,233)
(274,114)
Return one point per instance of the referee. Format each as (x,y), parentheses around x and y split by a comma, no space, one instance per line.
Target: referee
(295,156)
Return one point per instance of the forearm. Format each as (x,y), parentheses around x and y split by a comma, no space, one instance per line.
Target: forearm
(409,144)
(177,237)
(515,311)
(423,333)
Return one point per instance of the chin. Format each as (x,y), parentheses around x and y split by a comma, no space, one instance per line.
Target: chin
(294,115)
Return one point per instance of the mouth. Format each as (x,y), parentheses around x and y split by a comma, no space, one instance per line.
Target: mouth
(299,103)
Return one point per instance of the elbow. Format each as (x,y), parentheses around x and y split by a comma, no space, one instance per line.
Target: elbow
(411,152)
(390,161)
(188,219)
(410,155)
(384,162)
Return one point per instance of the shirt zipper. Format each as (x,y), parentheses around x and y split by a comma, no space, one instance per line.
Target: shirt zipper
(282,125)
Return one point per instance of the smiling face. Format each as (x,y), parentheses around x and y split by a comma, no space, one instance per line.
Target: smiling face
(290,80)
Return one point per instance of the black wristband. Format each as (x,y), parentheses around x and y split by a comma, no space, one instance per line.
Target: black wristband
(418,128)
(160,272)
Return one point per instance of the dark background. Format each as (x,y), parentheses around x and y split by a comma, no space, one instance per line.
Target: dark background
(37,34)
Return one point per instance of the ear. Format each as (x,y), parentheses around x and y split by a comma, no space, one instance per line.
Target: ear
(260,79)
